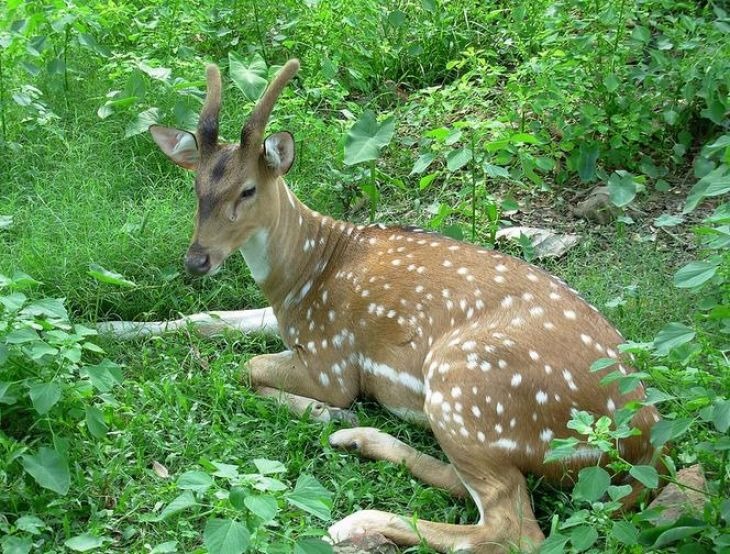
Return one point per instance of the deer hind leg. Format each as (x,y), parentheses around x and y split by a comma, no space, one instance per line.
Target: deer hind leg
(283,377)
(376,445)
(506,523)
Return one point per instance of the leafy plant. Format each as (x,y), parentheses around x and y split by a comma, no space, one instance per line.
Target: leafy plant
(45,374)
(245,511)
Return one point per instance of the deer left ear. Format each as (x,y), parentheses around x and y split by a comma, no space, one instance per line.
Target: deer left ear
(279,152)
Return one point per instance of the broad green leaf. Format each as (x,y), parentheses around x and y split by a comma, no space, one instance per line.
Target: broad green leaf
(611,82)
(721,415)
(88,41)
(667,220)
(587,158)
(183,502)
(422,163)
(5,396)
(583,537)
(310,545)
(141,123)
(312,497)
(367,137)
(617,492)
(494,171)
(169,547)
(197,481)
(602,363)
(250,77)
(84,543)
(269,467)
(49,469)
(104,375)
(30,524)
(105,276)
(263,506)
(667,430)
(14,301)
(646,475)
(16,545)
(561,448)
(21,336)
(51,308)
(621,189)
(456,159)
(554,544)
(225,536)
(426,180)
(625,532)
(227,471)
(677,533)
(695,274)
(592,483)
(44,396)
(95,422)
(671,336)
(715,183)
(158,73)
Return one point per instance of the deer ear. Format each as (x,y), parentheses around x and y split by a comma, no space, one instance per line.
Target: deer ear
(279,152)
(180,146)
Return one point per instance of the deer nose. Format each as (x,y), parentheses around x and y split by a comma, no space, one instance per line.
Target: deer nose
(197,262)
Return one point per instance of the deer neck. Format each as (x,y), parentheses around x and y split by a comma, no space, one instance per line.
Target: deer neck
(287,256)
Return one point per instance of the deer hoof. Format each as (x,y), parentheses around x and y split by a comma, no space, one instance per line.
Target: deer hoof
(356,439)
(355,526)
(325,414)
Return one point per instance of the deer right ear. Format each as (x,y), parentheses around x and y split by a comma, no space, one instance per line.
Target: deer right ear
(180,146)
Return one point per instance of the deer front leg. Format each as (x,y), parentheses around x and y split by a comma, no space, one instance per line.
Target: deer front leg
(284,377)
(377,445)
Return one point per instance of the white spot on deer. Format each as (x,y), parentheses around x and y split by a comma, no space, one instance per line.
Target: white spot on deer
(536,311)
(506,301)
(611,352)
(311,347)
(463,432)
(421,269)
(481,436)
(586,339)
(549,325)
(324,343)
(499,408)
(419,289)
(372,240)
(532,277)
(517,322)
(396,262)
(498,429)
(569,314)
(462,271)
(512,423)
(541,397)
(385,371)
(502,364)
(324,379)
(546,435)
(447,263)
(516,380)
(499,279)
(554,296)
(485,366)
(456,392)
(458,407)
(479,304)
(501,268)
(611,405)
(528,297)
(534,356)
(365,293)
(468,345)
(506,444)
(444,368)
(454,247)
(476,411)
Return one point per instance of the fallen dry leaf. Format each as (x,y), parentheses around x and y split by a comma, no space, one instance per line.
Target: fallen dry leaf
(547,244)
(160,470)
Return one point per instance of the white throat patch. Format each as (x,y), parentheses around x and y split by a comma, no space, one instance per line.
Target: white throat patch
(256,253)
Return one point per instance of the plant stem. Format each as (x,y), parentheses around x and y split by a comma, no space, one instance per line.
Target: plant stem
(65,64)
(2,98)
(258,32)
(473,191)
(373,191)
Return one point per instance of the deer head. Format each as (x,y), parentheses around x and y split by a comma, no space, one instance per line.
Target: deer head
(234,183)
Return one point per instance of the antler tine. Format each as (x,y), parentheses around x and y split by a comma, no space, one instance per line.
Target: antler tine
(208,122)
(253,131)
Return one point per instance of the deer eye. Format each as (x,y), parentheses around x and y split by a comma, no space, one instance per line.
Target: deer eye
(248,193)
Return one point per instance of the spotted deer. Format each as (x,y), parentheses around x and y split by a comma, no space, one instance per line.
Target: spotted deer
(492,354)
